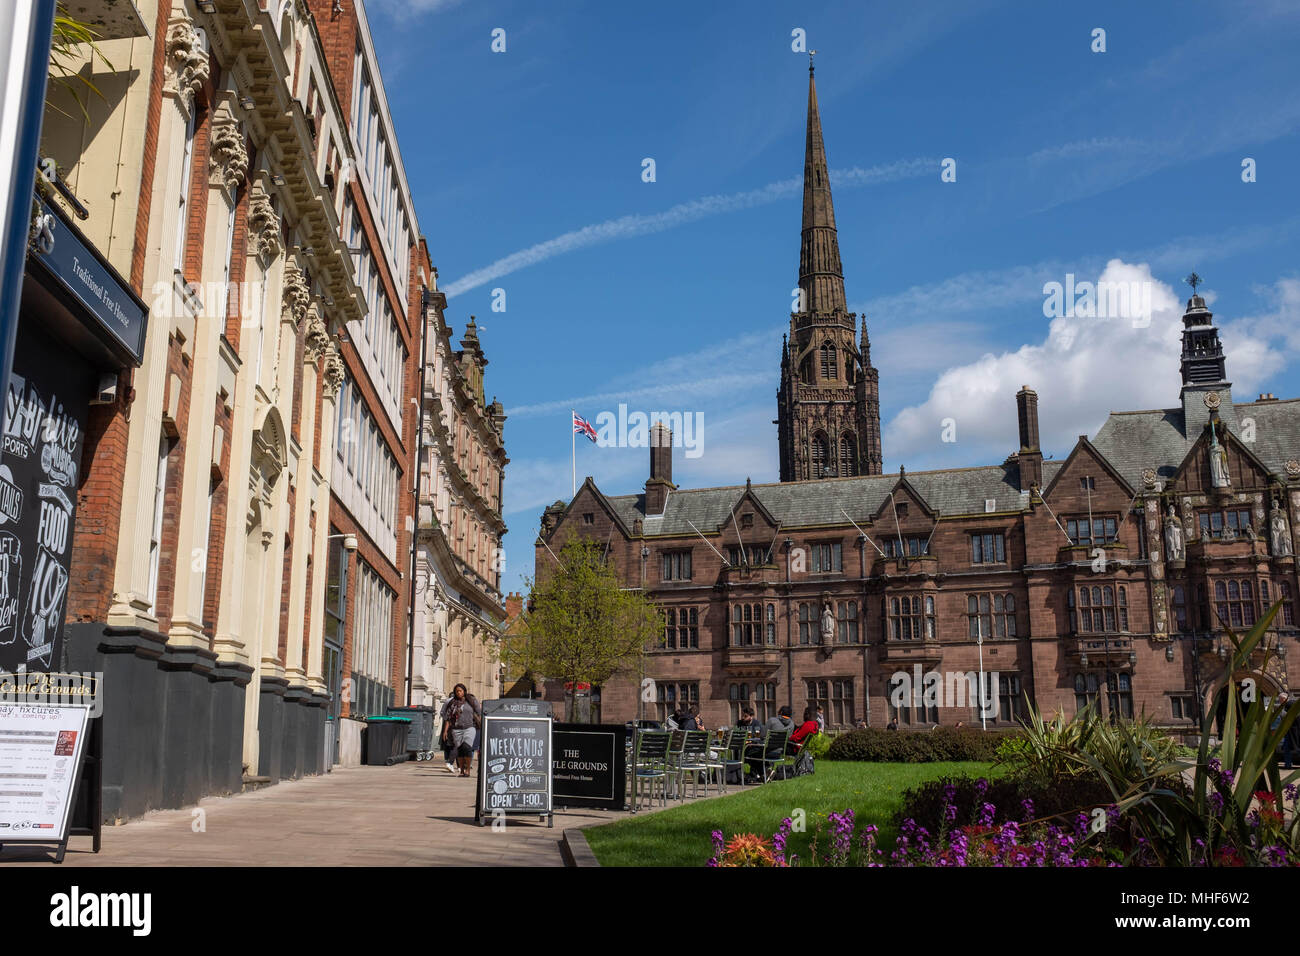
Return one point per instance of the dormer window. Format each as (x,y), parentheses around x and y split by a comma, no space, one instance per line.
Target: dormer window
(747,520)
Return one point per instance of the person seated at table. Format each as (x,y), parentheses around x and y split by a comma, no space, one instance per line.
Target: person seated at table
(756,751)
(799,736)
(691,719)
(748,722)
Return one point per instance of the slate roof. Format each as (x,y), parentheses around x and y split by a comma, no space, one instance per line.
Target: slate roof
(1131,441)
(1160,438)
(951,491)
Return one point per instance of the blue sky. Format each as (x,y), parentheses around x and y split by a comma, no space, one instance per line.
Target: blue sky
(673,295)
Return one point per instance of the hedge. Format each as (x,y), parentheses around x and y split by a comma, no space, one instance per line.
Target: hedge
(916,746)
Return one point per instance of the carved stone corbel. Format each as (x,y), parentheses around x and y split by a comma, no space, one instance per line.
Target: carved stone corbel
(229,157)
(187,61)
(264,224)
(296,296)
(316,342)
(333,370)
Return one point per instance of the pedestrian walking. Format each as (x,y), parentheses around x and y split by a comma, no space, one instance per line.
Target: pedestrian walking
(461,718)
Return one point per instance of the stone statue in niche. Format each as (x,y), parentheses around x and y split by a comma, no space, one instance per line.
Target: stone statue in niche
(1174,536)
(828,623)
(1279,536)
(1219,476)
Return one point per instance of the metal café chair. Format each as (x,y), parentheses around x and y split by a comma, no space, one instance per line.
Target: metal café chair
(693,761)
(651,764)
(773,753)
(742,739)
(720,757)
(677,740)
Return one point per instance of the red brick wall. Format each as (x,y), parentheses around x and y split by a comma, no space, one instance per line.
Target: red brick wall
(170,564)
(217,528)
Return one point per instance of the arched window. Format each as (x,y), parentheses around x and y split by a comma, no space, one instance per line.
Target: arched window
(823,464)
(848,454)
(829,362)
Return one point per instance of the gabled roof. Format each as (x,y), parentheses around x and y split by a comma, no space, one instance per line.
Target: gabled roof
(1083,445)
(747,494)
(1157,438)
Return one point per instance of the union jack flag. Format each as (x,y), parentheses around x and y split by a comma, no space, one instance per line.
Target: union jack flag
(583,427)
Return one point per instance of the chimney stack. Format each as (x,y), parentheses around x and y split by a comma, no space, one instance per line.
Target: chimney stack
(661,469)
(1031,453)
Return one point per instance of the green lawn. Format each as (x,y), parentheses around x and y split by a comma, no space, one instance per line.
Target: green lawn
(679,836)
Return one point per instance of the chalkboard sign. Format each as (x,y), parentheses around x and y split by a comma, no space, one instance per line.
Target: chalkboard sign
(590,765)
(515,759)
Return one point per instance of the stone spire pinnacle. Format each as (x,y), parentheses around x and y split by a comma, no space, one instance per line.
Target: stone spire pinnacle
(820,275)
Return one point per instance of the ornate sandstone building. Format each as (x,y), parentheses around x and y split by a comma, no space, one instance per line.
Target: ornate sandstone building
(1106,577)
(238,464)
(459,561)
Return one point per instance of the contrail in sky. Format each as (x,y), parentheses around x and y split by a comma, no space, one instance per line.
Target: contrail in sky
(636,224)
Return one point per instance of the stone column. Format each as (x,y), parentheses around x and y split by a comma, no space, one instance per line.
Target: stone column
(186,69)
(228,166)
(331,379)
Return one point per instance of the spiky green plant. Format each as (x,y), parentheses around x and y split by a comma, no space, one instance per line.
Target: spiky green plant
(71,37)
(1211,818)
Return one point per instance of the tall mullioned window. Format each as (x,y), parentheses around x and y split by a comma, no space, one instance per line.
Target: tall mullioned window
(676,566)
(991,615)
(1103,529)
(1099,609)
(910,617)
(988,548)
(1234,600)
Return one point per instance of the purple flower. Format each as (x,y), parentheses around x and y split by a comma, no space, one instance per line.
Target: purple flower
(987,812)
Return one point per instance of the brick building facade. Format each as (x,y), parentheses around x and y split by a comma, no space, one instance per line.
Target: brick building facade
(1108,576)
(241,169)
(459,556)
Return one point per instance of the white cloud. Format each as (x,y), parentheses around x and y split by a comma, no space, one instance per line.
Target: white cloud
(1083,369)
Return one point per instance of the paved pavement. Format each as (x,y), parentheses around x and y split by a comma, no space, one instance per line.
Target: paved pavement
(414,814)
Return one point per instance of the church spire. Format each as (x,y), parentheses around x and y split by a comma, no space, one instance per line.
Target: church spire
(820,275)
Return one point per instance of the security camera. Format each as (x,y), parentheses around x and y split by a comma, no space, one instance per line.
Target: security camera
(106,392)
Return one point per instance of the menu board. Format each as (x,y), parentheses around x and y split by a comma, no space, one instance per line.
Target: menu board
(516,763)
(515,757)
(40,753)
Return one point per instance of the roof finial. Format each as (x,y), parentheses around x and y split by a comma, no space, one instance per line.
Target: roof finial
(1193,280)
(811,54)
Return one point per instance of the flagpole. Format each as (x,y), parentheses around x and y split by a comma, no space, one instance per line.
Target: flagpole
(573,450)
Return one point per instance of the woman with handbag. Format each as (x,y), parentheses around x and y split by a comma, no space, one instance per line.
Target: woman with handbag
(461,720)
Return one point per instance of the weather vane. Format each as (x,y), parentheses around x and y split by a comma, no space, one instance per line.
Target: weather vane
(811,54)
(1193,280)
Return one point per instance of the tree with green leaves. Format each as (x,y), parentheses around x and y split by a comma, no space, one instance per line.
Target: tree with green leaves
(582,627)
